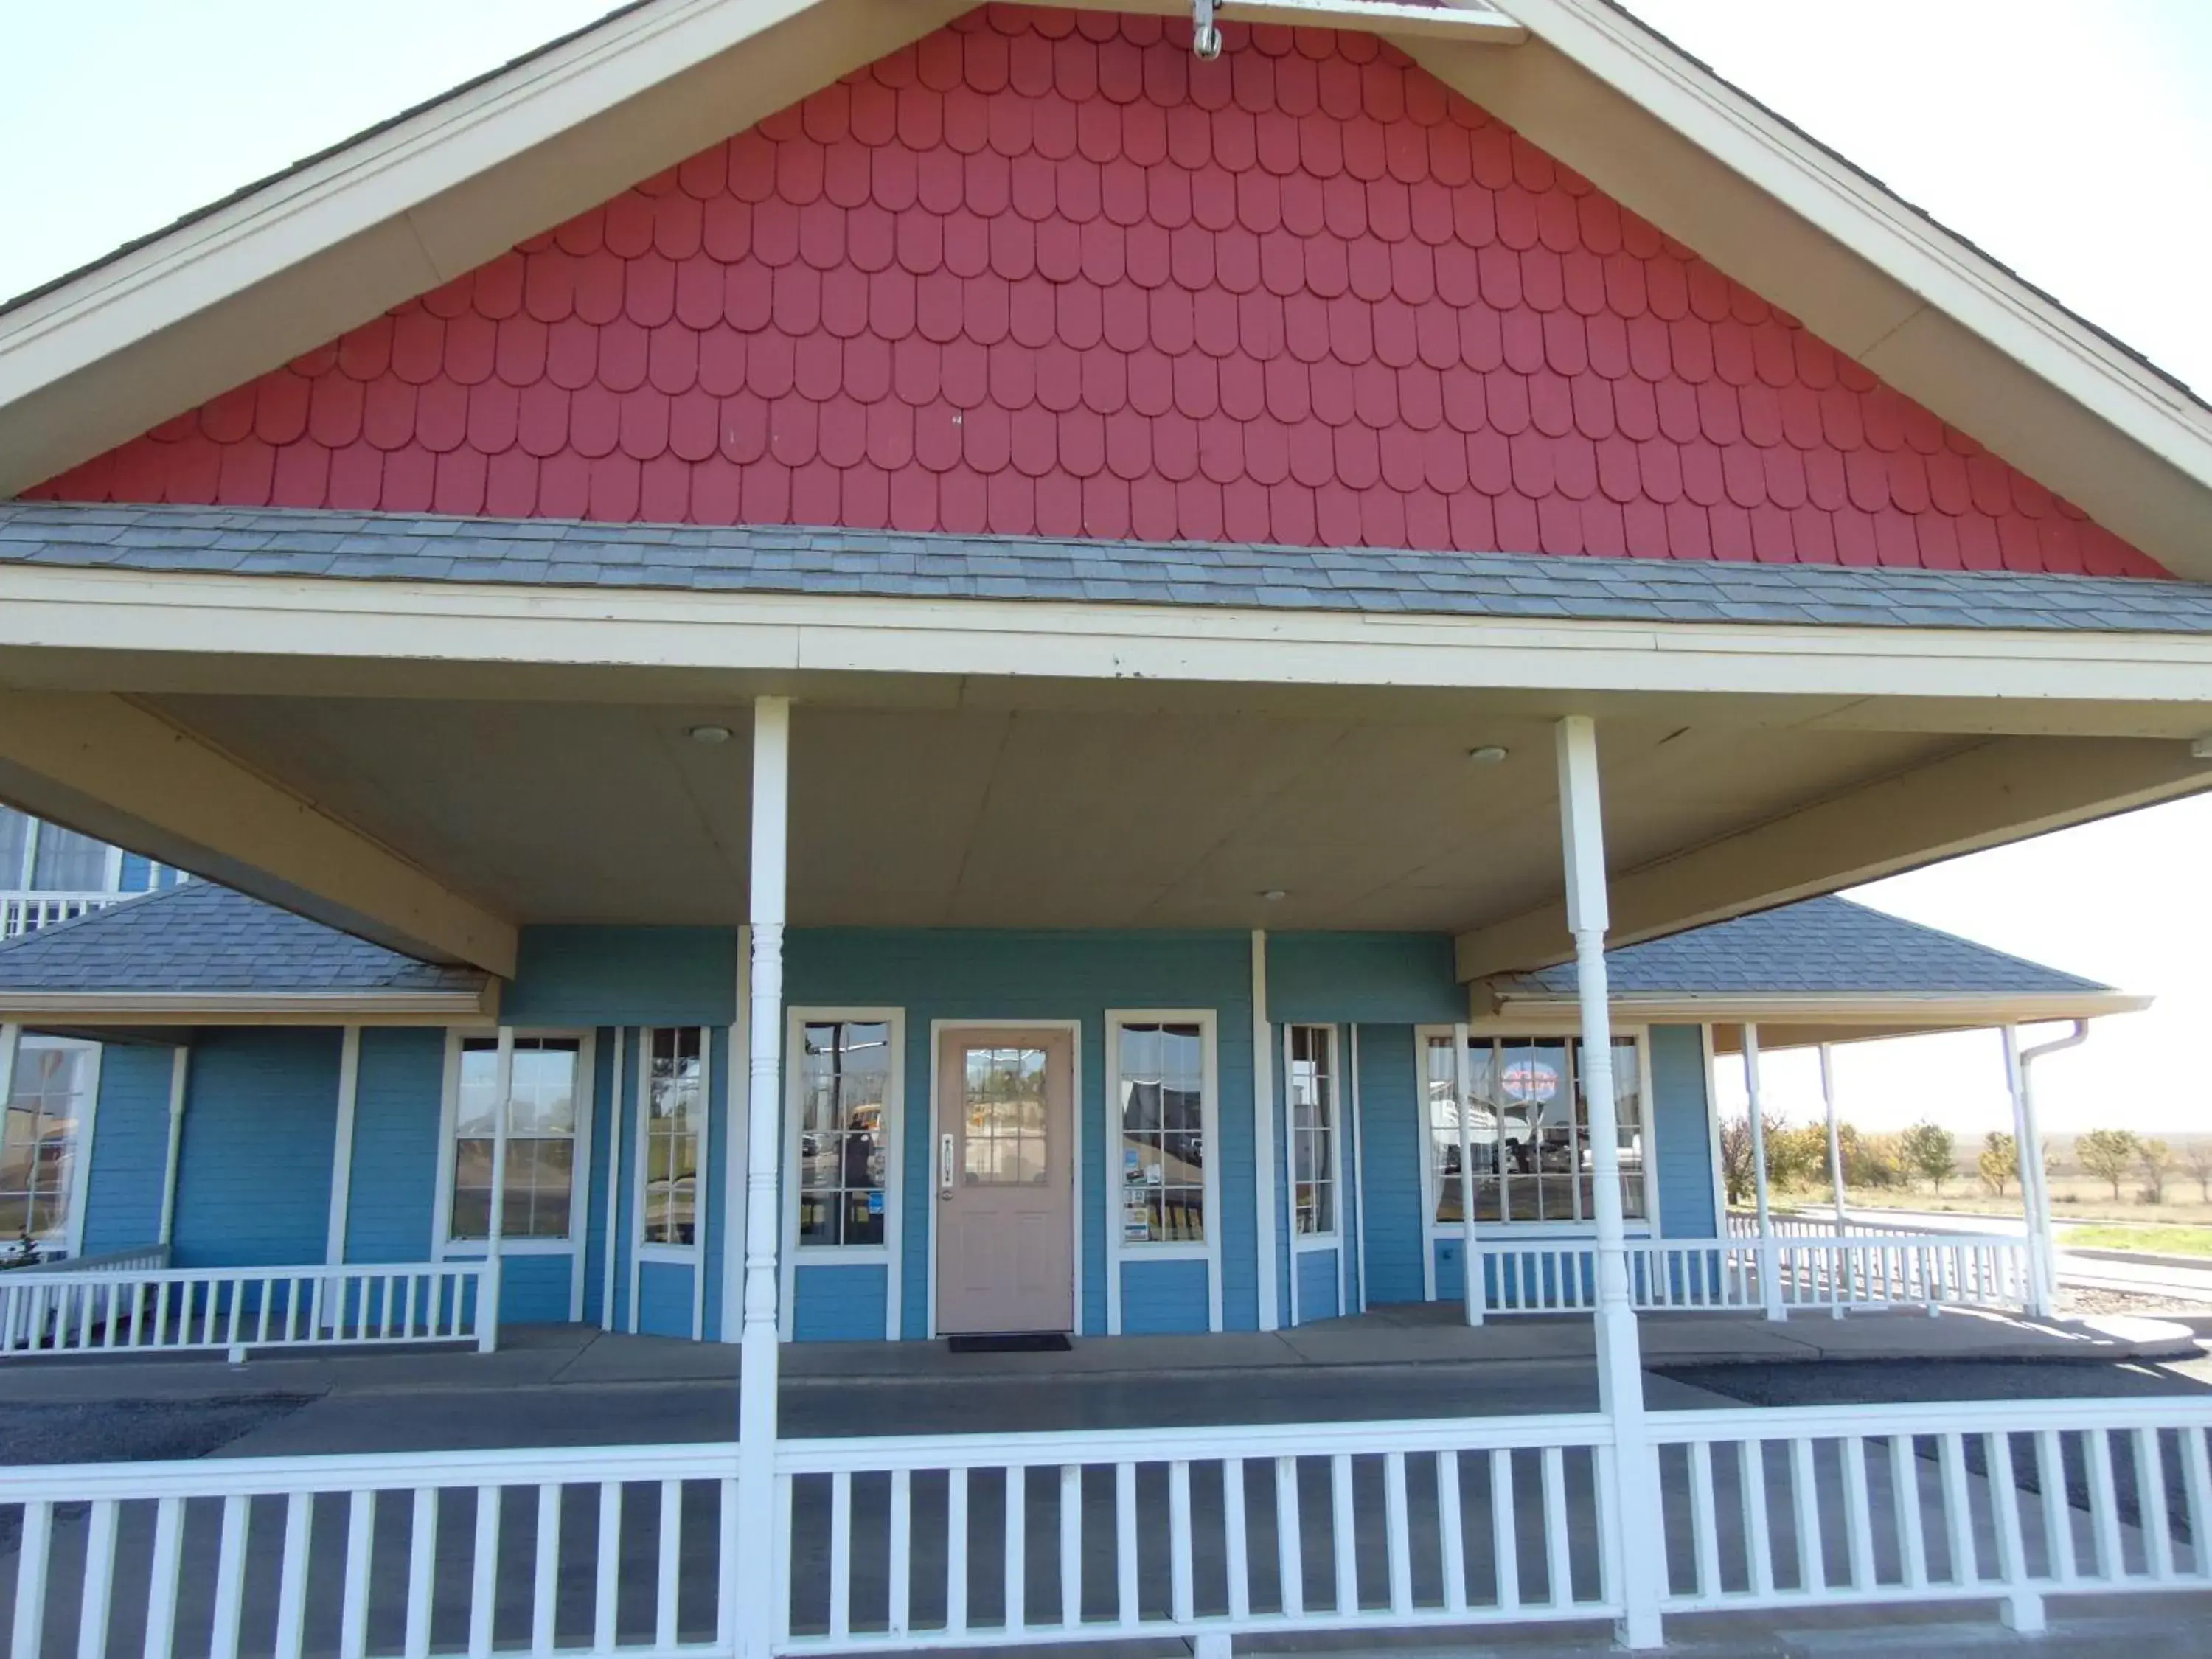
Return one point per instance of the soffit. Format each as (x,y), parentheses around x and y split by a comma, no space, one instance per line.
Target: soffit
(1031,816)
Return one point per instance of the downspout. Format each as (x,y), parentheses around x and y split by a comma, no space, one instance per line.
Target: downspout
(2042,1264)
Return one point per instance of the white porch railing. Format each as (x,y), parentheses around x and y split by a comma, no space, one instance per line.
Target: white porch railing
(1205,1534)
(25,912)
(1810,1271)
(79,1308)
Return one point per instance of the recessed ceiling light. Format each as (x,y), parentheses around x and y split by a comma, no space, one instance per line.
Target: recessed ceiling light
(710,734)
(1274,895)
(1489,754)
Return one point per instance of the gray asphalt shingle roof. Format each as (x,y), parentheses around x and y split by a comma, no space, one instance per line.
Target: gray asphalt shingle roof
(199,937)
(1821,946)
(782,559)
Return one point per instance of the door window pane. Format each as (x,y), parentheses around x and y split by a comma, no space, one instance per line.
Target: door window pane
(845,1077)
(1004,1137)
(1163,1084)
(675,1129)
(541,1138)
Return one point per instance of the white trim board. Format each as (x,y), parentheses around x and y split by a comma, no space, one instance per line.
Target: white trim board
(938,1028)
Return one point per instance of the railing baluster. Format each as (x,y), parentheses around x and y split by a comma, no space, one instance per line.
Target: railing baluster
(1289,1544)
(292,1575)
(1958,1512)
(99,1590)
(955,1550)
(161,1578)
(2057,1511)
(2024,1608)
(229,1579)
(670,1540)
(901,1546)
(2157,1526)
(1071,1545)
(422,1557)
(1344,1538)
(1805,1507)
(2196,1481)
(1858,1511)
(1557,1568)
(841,1557)
(2105,1506)
(1397,1533)
(545,1568)
(483,1572)
(1451,1531)
(1758,1540)
(32,1553)
(361,1539)
(1504,1535)
(1017,1546)
(1904,1498)
(1238,1566)
(1181,1608)
(1705,1526)
(607,1586)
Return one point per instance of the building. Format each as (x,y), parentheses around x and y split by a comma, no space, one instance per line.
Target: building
(1014,555)
(49,873)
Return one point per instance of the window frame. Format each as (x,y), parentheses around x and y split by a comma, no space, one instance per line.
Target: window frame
(795,1254)
(1333,1236)
(1639,1032)
(1119,1250)
(71,1243)
(642,1248)
(444,1246)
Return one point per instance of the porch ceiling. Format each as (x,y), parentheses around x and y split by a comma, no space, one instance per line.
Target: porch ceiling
(1171,813)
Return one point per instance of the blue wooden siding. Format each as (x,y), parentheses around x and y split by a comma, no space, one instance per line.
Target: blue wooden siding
(1315,978)
(1392,1139)
(575,975)
(664,1298)
(1682,1140)
(391,1211)
(534,1289)
(1318,1286)
(1350,1212)
(838,1303)
(253,1184)
(620,1127)
(137,874)
(981,975)
(1165,1297)
(129,1148)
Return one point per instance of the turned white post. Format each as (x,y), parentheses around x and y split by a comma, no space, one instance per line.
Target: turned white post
(180,1063)
(1770,1273)
(1839,1264)
(759,1551)
(1635,1516)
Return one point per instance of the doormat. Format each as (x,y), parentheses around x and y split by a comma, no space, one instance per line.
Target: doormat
(1012,1342)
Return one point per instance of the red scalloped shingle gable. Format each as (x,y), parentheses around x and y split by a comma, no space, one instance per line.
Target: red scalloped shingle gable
(1045,274)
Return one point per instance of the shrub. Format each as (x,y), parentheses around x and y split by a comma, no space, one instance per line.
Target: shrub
(2107,1154)
(1999,1162)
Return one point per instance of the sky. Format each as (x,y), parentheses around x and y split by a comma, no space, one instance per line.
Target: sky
(2073,142)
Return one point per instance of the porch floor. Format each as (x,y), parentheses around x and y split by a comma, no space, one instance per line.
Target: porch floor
(552,1385)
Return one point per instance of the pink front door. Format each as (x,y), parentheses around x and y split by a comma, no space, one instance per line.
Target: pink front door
(1005,1253)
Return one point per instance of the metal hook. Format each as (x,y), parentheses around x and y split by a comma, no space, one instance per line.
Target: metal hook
(1205,34)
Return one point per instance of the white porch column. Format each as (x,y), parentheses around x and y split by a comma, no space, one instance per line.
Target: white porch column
(1269,1190)
(760,1553)
(180,1064)
(1636,1516)
(495,1281)
(1469,1255)
(2035,1195)
(1770,1276)
(342,1149)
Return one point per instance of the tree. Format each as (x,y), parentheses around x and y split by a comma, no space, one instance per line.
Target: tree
(2107,1154)
(1931,1153)
(2155,1160)
(2197,1155)
(1999,1162)
(1794,1157)
(1736,1160)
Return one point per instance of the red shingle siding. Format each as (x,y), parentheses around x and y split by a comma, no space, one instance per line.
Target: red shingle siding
(1046,274)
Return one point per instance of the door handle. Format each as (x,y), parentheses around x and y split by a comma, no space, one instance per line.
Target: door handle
(944,1169)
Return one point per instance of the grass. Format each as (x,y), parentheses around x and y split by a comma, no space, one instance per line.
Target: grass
(2153,1240)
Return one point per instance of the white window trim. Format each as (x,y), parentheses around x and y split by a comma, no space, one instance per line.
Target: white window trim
(71,1243)
(795,1255)
(1433,1229)
(694,1255)
(1118,1251)
(444,1247)
(1332,1239)
(937,1029)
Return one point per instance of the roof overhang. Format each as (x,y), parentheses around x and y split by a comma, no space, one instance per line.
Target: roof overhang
(1786,1021)
(50,1010)
(294,261)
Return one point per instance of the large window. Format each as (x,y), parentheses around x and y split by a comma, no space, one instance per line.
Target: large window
(844,1095)
(675,1135)
(540,1120)
(49,1109)
(48,858)
(1311,1084)
(1528,1126)
(1160,1074)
